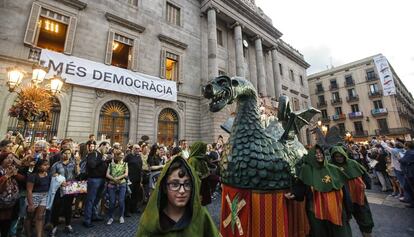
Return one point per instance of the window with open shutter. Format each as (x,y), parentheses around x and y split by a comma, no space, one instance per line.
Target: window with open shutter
(135,50)
(121,51)
(109,48)
(29,36)
(162,63)
(51,29)
(70,35)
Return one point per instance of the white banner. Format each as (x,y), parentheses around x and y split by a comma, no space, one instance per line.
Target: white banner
(385,75)
(88,73)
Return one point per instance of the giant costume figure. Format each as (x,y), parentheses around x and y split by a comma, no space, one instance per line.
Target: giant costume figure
(260,166)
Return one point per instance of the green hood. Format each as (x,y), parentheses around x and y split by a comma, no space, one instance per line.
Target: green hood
(198,150)
(201,223)
(350,167)
(198,159)
(323,177)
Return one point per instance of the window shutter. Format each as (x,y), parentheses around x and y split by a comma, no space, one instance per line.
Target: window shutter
(135,51)
(162,63)
(32,24)
(70,36)
(108,56)
(178,76)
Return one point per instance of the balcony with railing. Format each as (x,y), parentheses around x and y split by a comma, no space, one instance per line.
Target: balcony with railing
(333,87)
(379,112)
(321,104)
(362,133)
(319,90)
(356,115)
(371,77)
(352,98)
(393,131)
(349,83)
(336,101)
(374,94)
(338,117)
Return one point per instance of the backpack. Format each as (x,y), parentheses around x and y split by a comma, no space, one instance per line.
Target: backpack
(10,195)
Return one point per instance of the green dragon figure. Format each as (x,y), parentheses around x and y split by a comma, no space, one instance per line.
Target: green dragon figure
(259,158)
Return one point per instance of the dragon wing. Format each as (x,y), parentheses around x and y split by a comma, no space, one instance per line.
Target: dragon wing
(303,117)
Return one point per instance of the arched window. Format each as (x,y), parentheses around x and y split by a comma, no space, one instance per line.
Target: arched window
(41,130)
(167,127)
(114,122)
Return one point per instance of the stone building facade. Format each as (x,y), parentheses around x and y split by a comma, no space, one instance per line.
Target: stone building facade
(351,97)
(186,41)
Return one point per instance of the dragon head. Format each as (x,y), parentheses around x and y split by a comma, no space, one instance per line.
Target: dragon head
(224,90)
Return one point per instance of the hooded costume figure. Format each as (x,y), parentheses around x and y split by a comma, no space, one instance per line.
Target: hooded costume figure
(356,186)
(195,222)
(198,160)
(327,201)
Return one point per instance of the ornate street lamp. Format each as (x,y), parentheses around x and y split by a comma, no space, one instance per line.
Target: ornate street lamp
(34,102)
(39,74)
(56,84)
(14,77)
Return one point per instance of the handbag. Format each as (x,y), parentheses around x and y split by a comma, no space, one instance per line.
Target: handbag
(74,187)
(373,163)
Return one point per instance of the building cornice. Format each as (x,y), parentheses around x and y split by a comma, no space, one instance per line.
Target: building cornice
(245,11)
(342,68)
(172,41)
(123,22)
(292,54)
(74,4)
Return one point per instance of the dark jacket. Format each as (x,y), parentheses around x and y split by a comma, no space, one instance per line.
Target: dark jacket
(134,167)
(96,166)
(407,163)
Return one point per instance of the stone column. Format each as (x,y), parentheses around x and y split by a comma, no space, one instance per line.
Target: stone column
(277,80)
(261,77)
(212,44)
(270,83)
(238,38)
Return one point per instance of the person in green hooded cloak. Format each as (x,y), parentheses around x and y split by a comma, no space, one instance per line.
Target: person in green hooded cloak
(356,174)
(327,199)
(174,208)
(198,159)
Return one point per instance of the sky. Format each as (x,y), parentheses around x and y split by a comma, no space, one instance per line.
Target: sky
(336,32)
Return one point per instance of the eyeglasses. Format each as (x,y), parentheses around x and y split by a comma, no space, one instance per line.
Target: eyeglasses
(177,186)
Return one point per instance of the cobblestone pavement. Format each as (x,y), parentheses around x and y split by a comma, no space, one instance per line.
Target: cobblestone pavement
(391,219)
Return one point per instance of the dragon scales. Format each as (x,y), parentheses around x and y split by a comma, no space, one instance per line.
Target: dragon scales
(260,165)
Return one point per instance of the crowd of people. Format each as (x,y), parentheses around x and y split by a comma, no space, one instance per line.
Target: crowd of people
(390,163)
(44,183)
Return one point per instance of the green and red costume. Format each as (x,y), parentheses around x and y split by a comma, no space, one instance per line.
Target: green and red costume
(323,185)
(356,186)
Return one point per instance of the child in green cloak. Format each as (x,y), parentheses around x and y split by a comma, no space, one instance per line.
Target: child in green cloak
(356,174)
(327,200)
(174,208)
